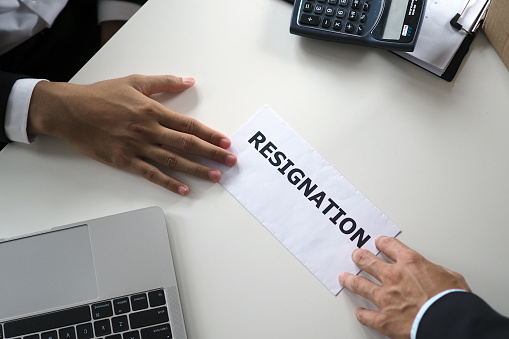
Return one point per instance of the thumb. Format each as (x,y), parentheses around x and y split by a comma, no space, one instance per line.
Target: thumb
(152,84)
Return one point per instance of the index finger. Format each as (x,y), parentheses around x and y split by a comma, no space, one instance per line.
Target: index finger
(152,84)
(391,247)
(369,262)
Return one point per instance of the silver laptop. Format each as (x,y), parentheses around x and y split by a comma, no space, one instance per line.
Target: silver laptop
(110,278)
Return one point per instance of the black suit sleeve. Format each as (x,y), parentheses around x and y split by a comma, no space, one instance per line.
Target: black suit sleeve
(462,315)
(7,80)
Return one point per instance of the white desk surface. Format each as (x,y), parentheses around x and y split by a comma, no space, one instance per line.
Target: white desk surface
(432,155)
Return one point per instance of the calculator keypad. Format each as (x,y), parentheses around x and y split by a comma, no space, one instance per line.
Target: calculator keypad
(353,17)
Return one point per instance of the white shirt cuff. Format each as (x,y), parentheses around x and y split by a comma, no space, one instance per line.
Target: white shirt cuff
(113,10)
(16,115)
(424,308)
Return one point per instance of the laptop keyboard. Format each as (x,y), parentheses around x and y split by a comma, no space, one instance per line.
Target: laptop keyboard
(138,316)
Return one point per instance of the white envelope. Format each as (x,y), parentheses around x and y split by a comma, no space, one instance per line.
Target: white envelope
(301,199)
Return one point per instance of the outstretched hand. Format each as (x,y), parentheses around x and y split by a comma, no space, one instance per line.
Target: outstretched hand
(117,123)
(405,286)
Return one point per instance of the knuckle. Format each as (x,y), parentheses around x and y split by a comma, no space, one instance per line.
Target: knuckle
(190,126)
(458,276)
(383,241)
(138,129)
(360,256)
(148,108)
(170,79)
(348,281)
(200,172)
(170,160)
(186,143)
(169,185)
(411,256)
(394,276)
(216,155)
(210,136)
(354,283)
(120,158)
(384,297)
(149,173)
(135,78)
(379,296)
(360,315)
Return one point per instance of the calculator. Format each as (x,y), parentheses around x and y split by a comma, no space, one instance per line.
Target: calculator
(388,24)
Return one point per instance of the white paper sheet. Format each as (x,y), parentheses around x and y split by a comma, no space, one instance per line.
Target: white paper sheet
(438,41)
(320,225)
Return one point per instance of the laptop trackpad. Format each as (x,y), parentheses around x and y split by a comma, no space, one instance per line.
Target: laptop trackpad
(46,271)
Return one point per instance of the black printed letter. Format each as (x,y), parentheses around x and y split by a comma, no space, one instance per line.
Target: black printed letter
(269,147)
(257,138)
(360,241)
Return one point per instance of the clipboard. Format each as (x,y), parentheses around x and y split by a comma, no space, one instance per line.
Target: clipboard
(448,29)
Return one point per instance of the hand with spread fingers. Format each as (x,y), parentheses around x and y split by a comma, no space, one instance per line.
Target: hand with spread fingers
(405,286)
(117,123)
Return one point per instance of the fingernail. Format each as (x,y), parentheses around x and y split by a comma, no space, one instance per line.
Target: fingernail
(215,176)
(188,81)
(225,143)
(230,160)
(183,190)
(340,278)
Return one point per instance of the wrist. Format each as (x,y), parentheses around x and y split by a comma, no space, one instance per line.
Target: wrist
(45,108)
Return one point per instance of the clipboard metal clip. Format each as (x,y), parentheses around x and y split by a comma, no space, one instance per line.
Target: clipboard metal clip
(477,23)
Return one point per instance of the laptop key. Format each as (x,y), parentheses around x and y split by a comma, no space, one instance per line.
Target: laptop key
(131,335)
(67,333)
(49,335)
(139,302)
(156,298)
(148,317)
(32,336)
(101,310)
(102,327)
(157,332)
(85,331)
(119,324)
(121,306)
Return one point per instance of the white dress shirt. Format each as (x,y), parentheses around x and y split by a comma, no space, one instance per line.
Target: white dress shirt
(22,19)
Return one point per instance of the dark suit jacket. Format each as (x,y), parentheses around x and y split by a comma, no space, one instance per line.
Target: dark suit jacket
(55,54)
(461,315)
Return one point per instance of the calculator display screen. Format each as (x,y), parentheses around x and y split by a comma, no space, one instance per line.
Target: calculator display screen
(395,20)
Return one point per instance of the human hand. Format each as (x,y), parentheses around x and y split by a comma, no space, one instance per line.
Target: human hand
(405,286)
(116,123)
